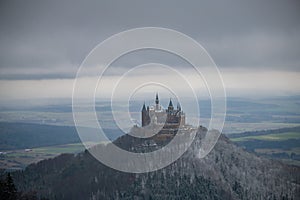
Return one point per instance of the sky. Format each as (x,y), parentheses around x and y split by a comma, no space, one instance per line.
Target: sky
(255,44)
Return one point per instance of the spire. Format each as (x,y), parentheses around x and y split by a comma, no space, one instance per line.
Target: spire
(171,104)
(156,99)
(144,107)
(178,106)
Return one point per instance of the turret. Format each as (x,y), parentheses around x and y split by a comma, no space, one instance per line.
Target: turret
(157,106)
(170,107)
(145,115)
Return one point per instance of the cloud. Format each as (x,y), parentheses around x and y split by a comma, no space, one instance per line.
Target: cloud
(44,42)
(258,50)
(46,34)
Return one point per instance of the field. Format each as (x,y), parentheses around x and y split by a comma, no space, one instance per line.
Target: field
(272,137)
(283,144)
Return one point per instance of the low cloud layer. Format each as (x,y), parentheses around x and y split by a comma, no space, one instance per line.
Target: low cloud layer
(237,83)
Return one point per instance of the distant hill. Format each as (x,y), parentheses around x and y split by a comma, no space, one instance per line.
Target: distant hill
(265,132)
(228,172)
(25,135)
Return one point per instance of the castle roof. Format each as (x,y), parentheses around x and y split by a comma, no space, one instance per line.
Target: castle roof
(170,104)
(144,107)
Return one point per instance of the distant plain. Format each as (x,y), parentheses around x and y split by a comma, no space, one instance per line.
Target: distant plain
(243,117)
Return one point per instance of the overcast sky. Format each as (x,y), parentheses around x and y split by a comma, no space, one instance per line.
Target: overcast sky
(256,44)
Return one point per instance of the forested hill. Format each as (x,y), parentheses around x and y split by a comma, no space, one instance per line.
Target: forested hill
(228,172)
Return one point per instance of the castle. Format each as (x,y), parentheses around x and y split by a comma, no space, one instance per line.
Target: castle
(169,118)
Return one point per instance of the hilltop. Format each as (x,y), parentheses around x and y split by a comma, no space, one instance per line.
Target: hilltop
(228,172)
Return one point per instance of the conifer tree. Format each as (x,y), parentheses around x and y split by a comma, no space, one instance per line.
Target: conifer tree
(8,190)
